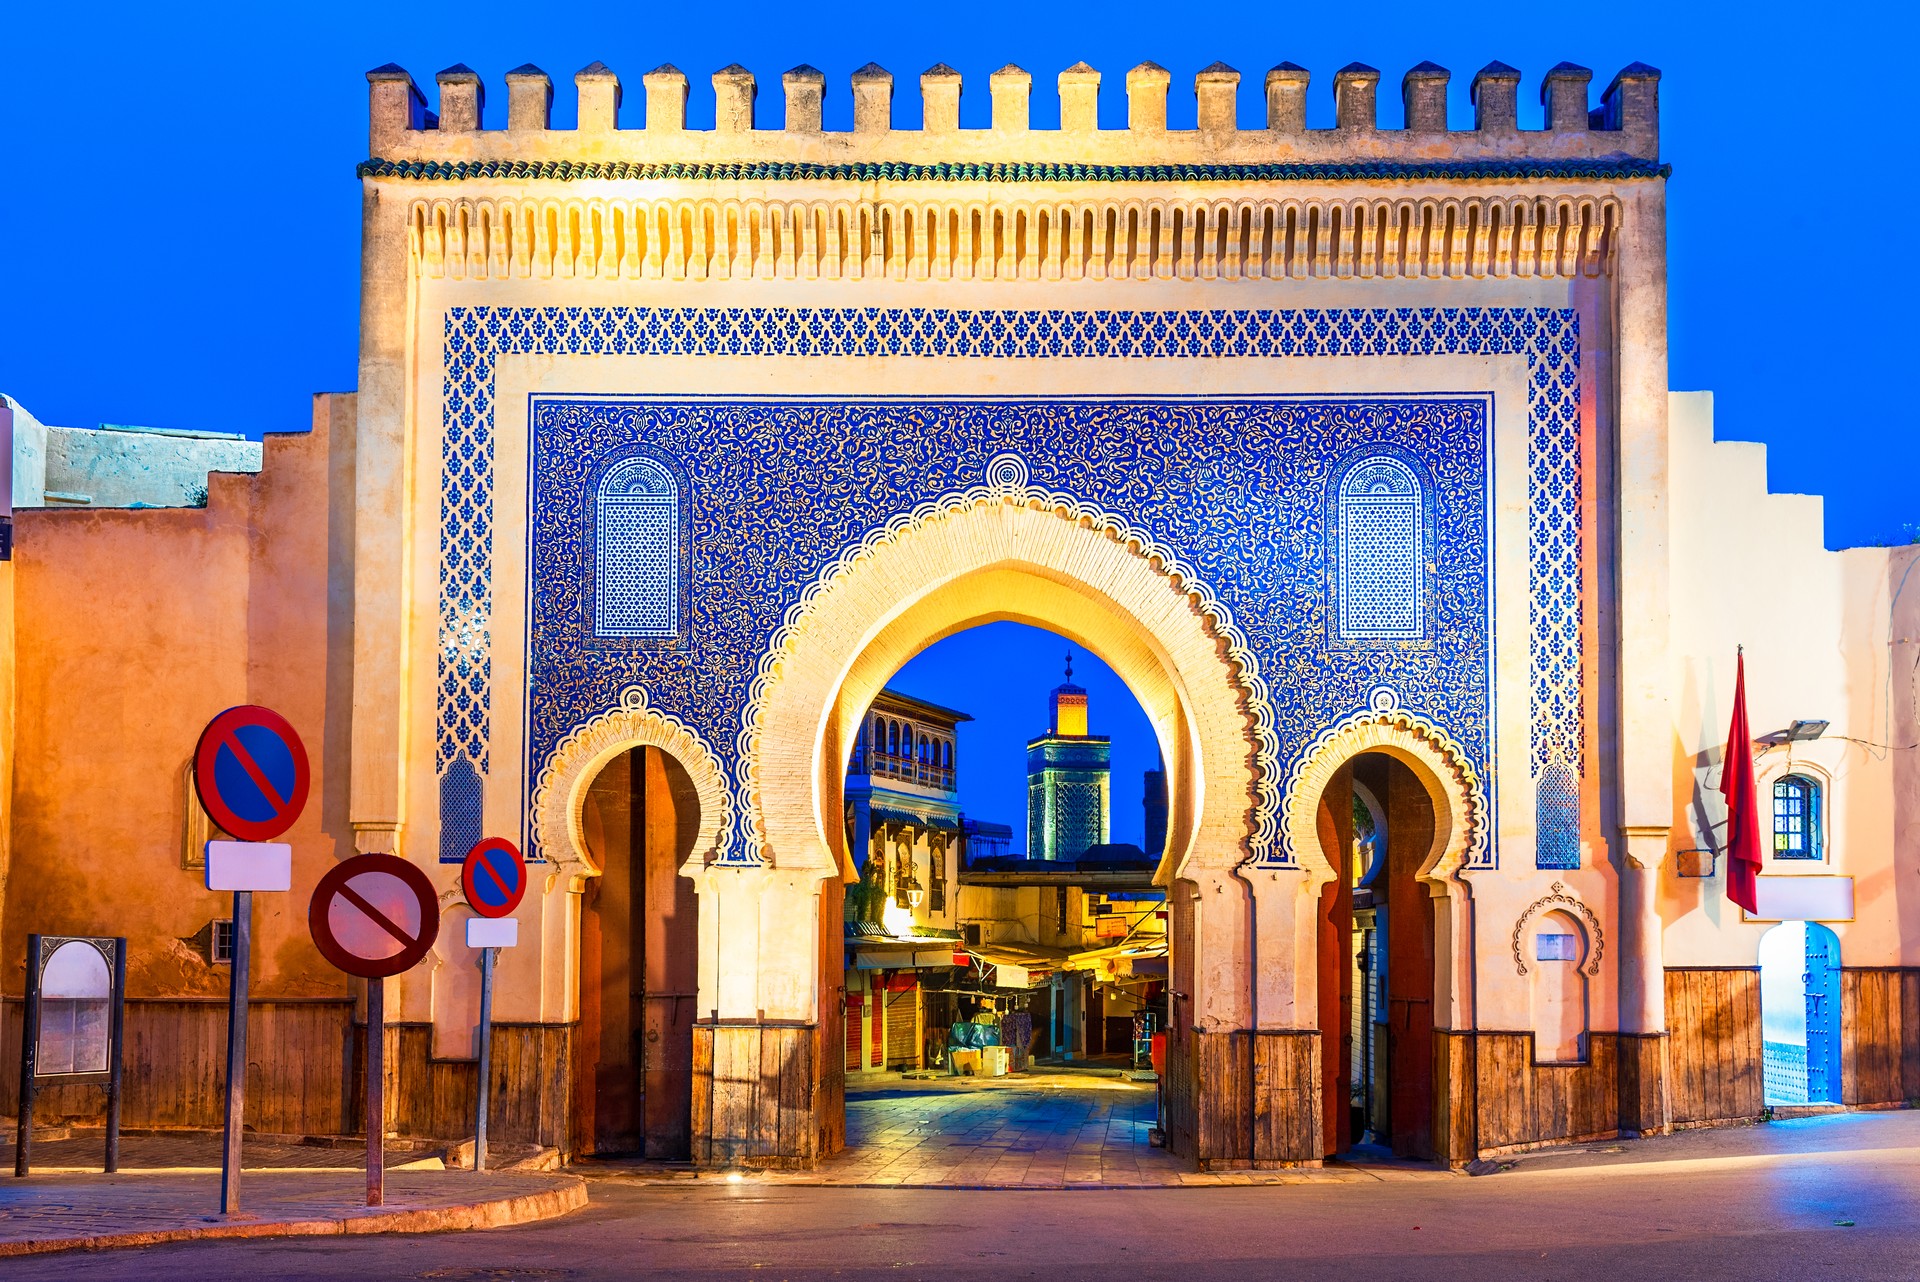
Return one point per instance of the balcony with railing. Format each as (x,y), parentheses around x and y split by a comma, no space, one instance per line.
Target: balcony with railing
(881,764)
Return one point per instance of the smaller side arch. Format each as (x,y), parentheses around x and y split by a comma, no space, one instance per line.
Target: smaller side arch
(1460,804)
(559,795)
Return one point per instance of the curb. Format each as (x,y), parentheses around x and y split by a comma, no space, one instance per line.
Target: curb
(549,1203)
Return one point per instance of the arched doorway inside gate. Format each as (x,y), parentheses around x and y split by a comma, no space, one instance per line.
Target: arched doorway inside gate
(1376,937)
(633,1051)
(1006,792)
(1800,1013)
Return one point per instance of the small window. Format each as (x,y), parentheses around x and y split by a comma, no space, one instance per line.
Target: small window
(1556,948)
(220,942)
(637,552)
(1796,818)
(1380,552)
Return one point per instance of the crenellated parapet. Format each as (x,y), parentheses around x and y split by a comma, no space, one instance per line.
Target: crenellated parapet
(1615,137)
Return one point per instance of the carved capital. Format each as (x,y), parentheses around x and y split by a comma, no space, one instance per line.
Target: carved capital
(1647,847)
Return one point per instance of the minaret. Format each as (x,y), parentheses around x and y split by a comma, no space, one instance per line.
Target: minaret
(1068,789)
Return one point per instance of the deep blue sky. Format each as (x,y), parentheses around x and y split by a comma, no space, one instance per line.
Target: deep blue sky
(1001,673)
(182,221)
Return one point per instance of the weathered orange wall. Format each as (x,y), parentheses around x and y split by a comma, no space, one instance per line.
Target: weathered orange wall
(134,627)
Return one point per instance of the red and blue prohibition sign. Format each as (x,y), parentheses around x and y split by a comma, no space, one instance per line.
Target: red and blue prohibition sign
(251,772)
(494,877)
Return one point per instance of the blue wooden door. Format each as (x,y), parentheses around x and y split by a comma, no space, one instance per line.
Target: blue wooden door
(1823,1015)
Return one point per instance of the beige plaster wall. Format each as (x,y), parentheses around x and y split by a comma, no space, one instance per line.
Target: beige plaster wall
(1750,568)
(133,629)
(125,467)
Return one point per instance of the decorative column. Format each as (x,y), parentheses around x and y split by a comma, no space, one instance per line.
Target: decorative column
(1643,979)
(1644,677)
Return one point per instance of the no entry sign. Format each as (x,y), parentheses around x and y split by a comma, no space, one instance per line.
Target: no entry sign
(374,916)
(251,772)
(494,877)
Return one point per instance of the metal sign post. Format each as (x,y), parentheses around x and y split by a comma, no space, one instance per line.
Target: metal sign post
(251,773)
(494,878)
(374,916)
(489,935)
(376,1091)
(29,1044)
(241,867)
(236,1103)
(486,1059)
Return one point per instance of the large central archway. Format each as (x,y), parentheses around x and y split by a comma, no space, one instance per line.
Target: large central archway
(1011,556)
(1001,553)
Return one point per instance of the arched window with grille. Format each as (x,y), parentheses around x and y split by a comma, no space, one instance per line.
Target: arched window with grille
(1380,535)
(1796,818)
(636,528)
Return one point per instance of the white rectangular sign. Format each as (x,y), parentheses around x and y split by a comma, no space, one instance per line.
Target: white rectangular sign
(249,865)
(493,932)
(1803,899)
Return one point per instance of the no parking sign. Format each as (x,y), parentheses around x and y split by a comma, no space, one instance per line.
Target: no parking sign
(374,916)
(494,877)
(251,772)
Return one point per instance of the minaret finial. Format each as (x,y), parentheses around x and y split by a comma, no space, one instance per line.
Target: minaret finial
(1069,667)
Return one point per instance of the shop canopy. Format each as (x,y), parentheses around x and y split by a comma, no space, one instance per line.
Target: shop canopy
(925,949)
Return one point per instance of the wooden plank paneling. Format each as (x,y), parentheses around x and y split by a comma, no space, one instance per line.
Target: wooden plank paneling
(1910,1034)
(1873,1036)
(1522,1103)
(1256,1101)
(1287,1114)
(174,1067)
(1713,1018)
(1220,1099)
(754,1094)
(1455,1097)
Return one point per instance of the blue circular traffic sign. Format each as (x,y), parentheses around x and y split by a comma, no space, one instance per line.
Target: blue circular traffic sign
(251,772)
(494,877)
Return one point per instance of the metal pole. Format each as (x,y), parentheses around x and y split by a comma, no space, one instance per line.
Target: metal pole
(236,1052)
(29,1043)
(376,1089)
(117,1042)
(486,1059)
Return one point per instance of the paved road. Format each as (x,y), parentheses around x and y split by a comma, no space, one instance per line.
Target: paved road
(1797,1212)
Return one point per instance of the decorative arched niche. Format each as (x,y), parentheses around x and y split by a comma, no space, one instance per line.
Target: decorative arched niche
(559,795)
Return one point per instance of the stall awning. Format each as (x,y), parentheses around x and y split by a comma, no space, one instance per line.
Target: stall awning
(1020,965)
(888,815)
(868,957)
(1140,956)
(875,949)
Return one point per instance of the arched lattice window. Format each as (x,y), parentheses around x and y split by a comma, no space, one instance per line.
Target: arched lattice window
(1380,542)
(1796,818)
(637,552)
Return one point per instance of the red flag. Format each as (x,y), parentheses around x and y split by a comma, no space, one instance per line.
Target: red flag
(1743,808)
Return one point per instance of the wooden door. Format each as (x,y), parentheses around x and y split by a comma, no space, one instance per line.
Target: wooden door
(638,964)
(607,1083)
(670,978)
